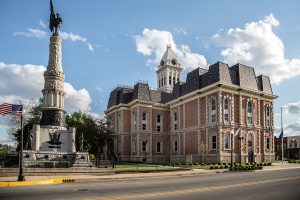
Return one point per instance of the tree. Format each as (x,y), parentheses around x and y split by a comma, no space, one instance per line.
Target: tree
(94,131)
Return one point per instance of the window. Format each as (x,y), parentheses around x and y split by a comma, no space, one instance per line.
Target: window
(268,143)
(214,142)
(173,80)
(226,110)
(213,111)
(158,128)
(158,147)
(177,79)
(227,141)
(158,118)
(250,113)
(291,144)
(170,80)
(175,146)
(159,83)
(164,80)
(250,140)
(175,121)
(144,121)
(134,121)
(144,146)
(267,116)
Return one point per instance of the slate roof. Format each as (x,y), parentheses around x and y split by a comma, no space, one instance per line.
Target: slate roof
(239,75)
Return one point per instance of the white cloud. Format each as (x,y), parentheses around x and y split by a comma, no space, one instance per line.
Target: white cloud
(181,31)
(24,82)
(76,38)
(99,89)
(294,107)
(153,43)
(258,46)
(72,36)
(42,24)
(292,128)
(31,32)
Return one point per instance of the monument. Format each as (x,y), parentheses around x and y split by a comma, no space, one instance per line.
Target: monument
(52,141)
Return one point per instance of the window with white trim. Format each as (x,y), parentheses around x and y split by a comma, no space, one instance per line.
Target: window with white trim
(227,142)
(226,110)
(268,143)
(144,146)
(213,111)
(214,142)
(250,113)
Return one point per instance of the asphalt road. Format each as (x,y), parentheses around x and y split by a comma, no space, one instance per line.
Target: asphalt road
(280,184)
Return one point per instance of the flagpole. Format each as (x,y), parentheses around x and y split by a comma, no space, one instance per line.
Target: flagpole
(21,176)
(281,138)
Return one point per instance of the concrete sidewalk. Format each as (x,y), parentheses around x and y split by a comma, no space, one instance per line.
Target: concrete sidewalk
(132,176)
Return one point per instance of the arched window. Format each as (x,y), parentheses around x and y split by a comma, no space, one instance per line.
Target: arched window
(227,141)
(226,110)
(250,140)
(250,113)
(213,108)
(268,114)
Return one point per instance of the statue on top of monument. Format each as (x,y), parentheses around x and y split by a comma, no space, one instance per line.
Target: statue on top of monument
(55,20)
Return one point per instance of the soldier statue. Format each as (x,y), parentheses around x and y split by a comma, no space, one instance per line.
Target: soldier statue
(55,20)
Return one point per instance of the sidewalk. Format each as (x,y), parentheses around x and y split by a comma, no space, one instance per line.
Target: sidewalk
(133,176)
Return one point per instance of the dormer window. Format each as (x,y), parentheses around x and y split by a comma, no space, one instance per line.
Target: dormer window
(162,63)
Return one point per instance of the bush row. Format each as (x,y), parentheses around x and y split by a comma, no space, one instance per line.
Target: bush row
(293,161)
(62,164)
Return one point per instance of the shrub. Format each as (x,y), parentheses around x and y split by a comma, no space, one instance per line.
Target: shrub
(225,166)
(63,164)
(216,167)
(294,161)
(211,167)
(269,164)
(48,164)
(221,167)
(224,163)
(289,161)
(219,164)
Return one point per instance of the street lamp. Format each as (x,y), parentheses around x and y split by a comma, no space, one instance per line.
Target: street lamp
(240,138)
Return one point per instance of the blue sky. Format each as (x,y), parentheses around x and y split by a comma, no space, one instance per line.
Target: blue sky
(110,43)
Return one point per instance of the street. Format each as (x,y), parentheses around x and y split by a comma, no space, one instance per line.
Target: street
(279,184)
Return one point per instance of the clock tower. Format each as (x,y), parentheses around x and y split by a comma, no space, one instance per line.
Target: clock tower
(169,71)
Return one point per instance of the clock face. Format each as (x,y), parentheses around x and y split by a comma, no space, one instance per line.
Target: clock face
(174,61)
(162,63)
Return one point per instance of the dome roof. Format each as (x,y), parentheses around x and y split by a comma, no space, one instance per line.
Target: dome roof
(170,58)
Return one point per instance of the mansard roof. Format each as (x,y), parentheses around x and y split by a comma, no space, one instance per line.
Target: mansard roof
(237,75)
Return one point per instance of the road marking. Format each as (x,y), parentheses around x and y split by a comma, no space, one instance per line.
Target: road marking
(191,190)
(22,183)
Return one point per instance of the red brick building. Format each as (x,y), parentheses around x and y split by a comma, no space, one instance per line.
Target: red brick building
(194,120)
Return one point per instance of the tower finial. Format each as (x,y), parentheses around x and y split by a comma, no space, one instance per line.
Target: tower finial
(169,41)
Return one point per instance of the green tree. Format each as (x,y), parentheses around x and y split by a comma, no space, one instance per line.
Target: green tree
(94,132)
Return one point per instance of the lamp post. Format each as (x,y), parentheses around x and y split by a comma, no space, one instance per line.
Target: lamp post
(240,138)
(282,134)
(21,175)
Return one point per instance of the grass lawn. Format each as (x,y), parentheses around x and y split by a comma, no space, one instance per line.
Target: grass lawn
(141,167)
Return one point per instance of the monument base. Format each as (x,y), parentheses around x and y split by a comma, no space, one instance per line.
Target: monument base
(59,159)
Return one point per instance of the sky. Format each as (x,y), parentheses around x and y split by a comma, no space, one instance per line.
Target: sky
(114,42)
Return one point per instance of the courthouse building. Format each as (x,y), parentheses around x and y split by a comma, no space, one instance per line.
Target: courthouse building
(194,121)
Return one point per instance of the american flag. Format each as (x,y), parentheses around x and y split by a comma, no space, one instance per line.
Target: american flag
(10,109)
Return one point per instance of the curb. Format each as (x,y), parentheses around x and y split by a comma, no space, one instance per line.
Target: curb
(22,183)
